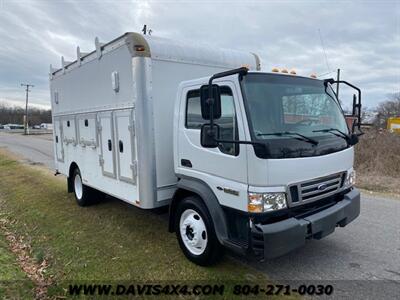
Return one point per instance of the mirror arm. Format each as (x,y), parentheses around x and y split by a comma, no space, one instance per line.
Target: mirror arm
(355,105)
(241,71)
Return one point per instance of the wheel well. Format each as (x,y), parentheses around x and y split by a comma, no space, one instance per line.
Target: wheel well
(178,196)
(72,168)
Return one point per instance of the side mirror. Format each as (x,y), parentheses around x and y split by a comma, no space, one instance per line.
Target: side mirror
(210,103)
(209,136)
(353,139)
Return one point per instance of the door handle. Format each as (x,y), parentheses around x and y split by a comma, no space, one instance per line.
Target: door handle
(121,146)
(109,145)
(186,163)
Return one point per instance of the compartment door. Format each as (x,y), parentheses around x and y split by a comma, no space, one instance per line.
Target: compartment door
(107,144)
(58,140)
(125,145)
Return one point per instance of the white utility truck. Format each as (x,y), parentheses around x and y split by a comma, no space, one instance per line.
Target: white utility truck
(255,162)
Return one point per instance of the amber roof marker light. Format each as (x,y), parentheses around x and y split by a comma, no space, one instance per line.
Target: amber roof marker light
(139,48)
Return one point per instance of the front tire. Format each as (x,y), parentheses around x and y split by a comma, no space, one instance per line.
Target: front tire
(84,195)
(195,232)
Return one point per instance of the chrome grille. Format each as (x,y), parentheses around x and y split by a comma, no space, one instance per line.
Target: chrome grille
(315,189)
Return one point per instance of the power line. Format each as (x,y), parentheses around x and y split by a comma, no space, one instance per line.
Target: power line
(26,85)
(323,48)
(326,73)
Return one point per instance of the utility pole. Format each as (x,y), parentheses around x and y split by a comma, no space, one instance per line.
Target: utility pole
(26,85)
(337,84)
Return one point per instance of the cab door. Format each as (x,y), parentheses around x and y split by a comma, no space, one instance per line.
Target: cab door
(223,169)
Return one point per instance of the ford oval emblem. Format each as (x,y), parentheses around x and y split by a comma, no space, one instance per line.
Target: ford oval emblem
(322,186)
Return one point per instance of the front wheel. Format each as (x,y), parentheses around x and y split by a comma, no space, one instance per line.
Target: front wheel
(195,232)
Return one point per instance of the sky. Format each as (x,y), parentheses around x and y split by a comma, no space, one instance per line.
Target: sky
(362,38)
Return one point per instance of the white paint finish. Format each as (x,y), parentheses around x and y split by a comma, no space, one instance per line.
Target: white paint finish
(89,87)
(163,109)
(69,130)
(144,129)
(87,135)
(124,145)
(58,141)
(148,84)
(267,189)
(106,134)
(210,165)
(182,52)
(165,193)
(277,172)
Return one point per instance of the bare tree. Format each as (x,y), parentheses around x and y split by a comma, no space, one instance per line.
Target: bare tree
(15,115)
(387,109)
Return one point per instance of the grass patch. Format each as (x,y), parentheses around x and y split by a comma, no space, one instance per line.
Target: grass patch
(112,241)
(377,162)
(14,284)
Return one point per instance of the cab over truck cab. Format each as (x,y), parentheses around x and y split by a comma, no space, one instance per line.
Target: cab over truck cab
(251,161)
(271,158)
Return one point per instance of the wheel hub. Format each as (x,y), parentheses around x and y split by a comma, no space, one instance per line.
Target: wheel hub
(78,188)
(189,232)
(193,231)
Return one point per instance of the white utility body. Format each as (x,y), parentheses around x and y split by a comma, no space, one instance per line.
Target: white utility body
(128,122)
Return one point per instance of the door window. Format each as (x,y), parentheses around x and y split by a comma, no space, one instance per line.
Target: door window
(227,122)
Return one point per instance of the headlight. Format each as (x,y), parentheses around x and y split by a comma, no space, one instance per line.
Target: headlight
(265,202)
(350,178)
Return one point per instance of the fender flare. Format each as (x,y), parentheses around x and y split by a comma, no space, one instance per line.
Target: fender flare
(188,186)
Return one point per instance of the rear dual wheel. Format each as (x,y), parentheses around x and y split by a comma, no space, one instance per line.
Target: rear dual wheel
(84,195)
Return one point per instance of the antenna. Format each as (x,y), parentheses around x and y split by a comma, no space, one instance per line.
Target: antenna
(145,31)
(323,48)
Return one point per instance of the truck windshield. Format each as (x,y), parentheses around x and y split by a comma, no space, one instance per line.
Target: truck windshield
(281,107)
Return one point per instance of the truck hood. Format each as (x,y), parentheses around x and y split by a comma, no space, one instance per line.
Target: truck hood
(282,172)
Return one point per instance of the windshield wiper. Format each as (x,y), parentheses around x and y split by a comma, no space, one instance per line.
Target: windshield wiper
(331,130)
(302,137)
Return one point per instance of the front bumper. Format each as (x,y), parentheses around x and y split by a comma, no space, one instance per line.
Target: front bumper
(276,239)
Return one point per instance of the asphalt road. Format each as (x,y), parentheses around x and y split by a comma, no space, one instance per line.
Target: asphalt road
(33,148)
(361,260)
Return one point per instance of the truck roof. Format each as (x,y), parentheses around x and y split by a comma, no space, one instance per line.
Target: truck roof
(204,80)
(163,49)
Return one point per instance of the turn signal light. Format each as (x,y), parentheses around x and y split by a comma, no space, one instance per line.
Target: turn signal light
(275,70)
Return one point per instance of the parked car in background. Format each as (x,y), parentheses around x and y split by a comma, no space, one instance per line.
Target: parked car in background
(47,126)
(13,126)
